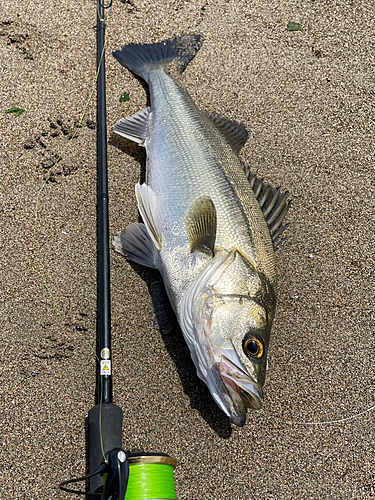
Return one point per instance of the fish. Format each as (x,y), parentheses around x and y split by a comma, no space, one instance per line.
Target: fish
(210,227)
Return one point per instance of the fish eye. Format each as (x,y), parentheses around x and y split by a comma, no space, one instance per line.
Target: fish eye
(253,347)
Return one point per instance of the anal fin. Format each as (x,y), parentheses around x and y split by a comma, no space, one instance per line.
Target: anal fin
(134,127)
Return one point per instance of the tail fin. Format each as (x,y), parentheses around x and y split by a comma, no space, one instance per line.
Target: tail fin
(141,59)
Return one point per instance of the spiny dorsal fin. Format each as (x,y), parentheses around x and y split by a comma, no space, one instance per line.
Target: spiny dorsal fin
(274,205)
(235,133)
(134,127)
(201,225)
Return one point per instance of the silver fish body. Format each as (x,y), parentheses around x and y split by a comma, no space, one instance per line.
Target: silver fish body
(204,230)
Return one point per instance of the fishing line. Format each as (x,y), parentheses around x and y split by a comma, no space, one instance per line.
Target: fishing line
(40,192)
(326,422)
(352,417)
(36,217)
(104,19)
(150,481)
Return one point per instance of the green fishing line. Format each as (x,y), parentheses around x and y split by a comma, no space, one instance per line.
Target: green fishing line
(150,481)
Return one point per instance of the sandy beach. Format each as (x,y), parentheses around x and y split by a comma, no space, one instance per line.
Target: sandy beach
(308,99)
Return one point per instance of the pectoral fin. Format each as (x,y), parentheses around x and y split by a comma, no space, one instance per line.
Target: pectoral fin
(134,127)
(201,225)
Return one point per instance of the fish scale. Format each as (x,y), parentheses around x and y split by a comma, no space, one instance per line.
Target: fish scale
(198,167)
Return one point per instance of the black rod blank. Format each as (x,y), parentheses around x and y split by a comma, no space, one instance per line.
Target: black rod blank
(105,419)
(105,388)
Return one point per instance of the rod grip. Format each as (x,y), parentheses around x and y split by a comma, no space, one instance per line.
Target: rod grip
(111,436)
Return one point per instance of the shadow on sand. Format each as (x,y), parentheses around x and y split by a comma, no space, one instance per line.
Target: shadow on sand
(200,397)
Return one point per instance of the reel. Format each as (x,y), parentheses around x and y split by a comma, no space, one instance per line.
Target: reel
(135,475)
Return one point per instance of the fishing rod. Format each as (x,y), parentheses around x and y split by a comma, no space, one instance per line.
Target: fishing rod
(114,473)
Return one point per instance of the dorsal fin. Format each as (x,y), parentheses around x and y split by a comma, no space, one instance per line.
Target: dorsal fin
(235,133)
(201,225)
(274,205)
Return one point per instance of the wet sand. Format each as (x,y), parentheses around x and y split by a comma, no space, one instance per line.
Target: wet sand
(308,99)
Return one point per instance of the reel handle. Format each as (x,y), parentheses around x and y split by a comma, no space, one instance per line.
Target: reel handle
(114,468)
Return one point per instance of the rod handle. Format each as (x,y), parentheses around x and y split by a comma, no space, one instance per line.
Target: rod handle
(108,417)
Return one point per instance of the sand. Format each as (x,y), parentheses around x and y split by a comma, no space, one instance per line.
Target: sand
(308,98)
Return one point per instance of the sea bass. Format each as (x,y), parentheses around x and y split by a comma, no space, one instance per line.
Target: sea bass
(210,229)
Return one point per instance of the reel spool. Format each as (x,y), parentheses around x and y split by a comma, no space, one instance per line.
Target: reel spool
(151,476)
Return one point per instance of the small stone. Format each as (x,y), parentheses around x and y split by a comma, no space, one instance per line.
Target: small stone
(91,124)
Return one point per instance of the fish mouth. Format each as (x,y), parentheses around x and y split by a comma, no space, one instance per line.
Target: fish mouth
(242,390)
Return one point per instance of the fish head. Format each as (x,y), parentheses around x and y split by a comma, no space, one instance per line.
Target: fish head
(231,318)
(235,334)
